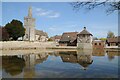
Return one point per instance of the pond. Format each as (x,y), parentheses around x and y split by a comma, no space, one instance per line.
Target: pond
(62,64)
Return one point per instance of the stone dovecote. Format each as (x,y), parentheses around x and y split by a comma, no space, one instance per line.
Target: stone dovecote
(84,39)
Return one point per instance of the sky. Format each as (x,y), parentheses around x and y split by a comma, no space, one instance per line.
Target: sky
(58,17)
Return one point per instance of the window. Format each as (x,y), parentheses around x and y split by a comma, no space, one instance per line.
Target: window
(95,43)
(26,35)
(99,43)
(83,35)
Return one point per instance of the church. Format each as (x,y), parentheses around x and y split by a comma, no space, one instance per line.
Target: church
(32,34)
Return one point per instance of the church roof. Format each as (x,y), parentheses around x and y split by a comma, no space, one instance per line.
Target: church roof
(40,32)
(84,32)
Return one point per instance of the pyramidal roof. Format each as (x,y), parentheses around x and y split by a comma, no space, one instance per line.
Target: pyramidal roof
(84,32)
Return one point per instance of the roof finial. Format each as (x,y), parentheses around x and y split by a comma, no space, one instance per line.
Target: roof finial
(84,28)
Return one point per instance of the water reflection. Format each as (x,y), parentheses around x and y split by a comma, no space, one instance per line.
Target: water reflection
(25,64)
(13,64)
(98,52)
(112,54)
(82,57)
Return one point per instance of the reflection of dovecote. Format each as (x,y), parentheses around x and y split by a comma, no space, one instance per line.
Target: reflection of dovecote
(84,59)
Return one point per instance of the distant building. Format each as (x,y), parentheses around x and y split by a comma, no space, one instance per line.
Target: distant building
(84,39)
(98,48)
(40,35)
(68,39)
(98,44)
(115,41)
(56,38)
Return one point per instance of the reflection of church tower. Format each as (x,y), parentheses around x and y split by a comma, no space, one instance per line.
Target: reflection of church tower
(29,24)
(29,70)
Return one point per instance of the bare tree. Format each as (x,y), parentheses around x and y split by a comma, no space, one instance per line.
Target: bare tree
(112,5)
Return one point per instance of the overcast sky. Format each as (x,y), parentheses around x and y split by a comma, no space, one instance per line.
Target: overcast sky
(58,17)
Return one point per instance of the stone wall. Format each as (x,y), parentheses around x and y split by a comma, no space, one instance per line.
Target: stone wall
(84,45)
(25,45)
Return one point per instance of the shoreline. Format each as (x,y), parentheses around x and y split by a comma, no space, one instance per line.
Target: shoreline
(26,45)
(38,51)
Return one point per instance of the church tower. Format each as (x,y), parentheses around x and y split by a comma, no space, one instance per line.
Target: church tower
(29,24)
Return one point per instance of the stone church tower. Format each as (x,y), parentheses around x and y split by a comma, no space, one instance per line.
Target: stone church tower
(29,24)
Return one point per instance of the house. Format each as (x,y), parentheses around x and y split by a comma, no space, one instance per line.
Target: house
(98,44)
(84,39)
(41,36)
(68,39)
(115,41)
(56,38)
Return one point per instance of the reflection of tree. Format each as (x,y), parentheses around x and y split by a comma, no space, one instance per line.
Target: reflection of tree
(84,59)
(13,64)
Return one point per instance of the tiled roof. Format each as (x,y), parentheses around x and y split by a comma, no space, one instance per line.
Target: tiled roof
(69,36)
(114,39)
(84,32)
(40,32)
(57,37)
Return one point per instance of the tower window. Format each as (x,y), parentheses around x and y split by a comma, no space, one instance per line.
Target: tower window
(83,35)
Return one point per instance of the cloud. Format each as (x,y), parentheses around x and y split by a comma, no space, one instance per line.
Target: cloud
(52,29)
(54,15)
(46,13)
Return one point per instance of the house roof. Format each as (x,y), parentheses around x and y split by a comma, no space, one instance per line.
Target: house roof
(84,31)
(56,37)
(114,39)
(40,32)
(69,36)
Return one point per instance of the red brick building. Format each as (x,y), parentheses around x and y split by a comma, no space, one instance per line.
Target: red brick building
(98,44)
